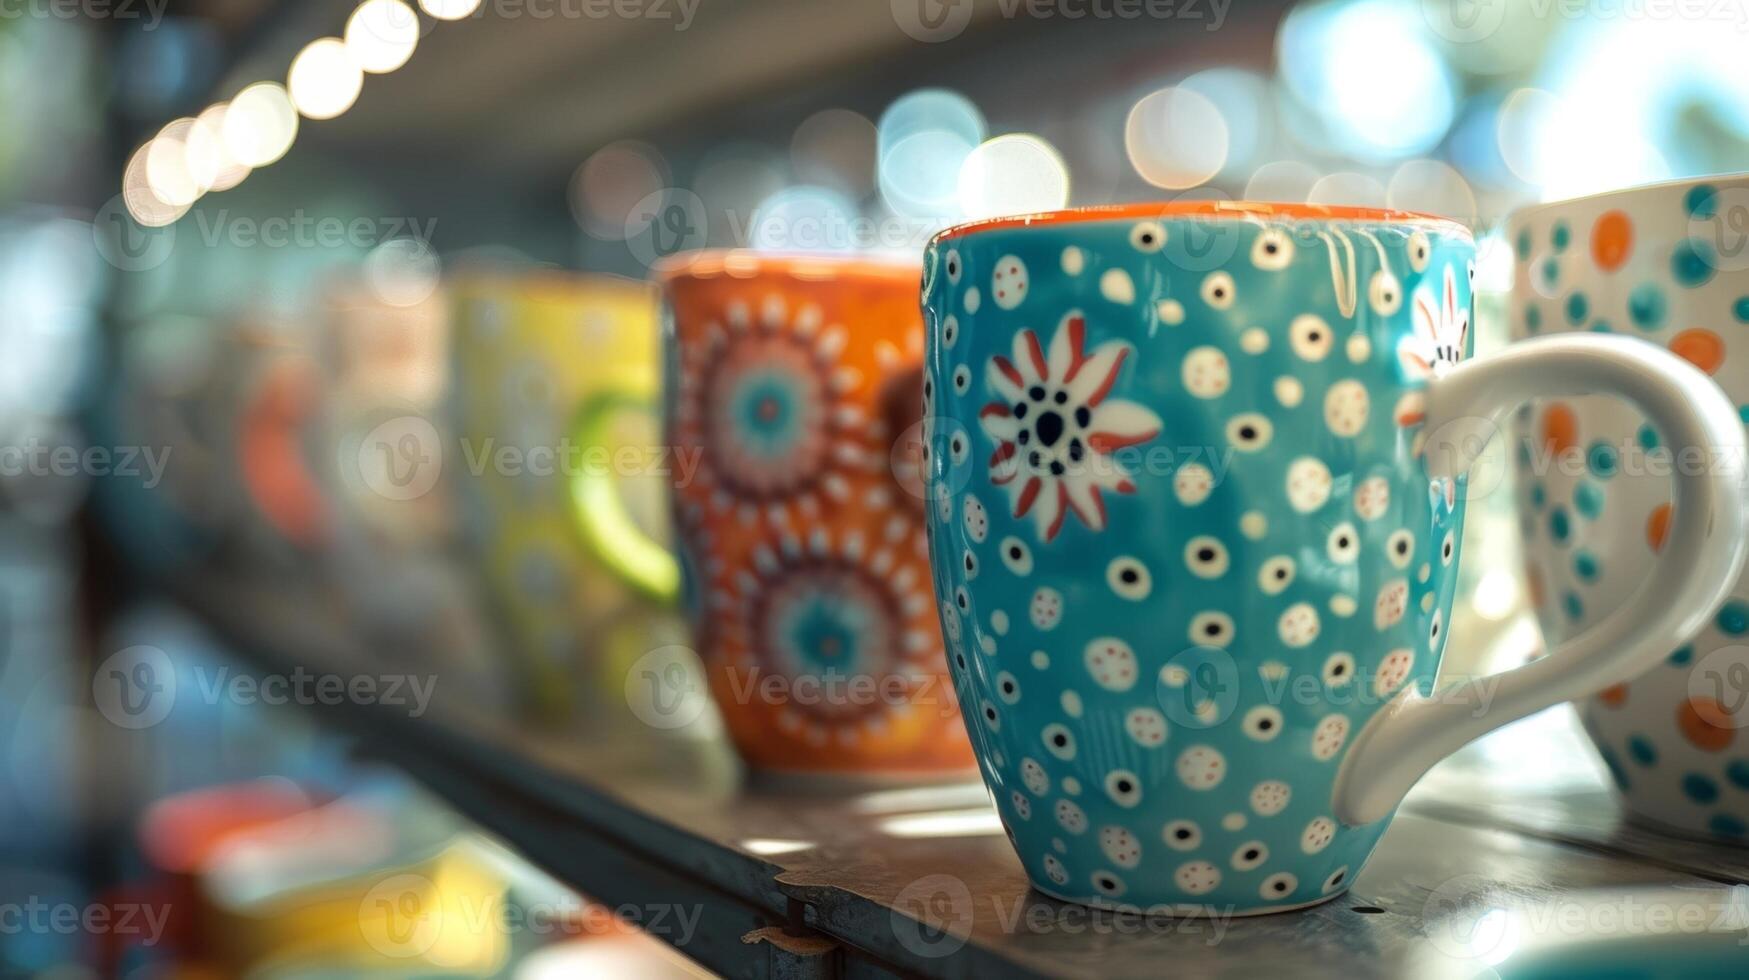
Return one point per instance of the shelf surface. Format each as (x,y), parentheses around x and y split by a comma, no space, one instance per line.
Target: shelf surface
(921,880)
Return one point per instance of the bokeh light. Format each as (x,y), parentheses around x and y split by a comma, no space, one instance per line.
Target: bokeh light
(1433,187)
(324,81)
(1645,99)
(210,162)
(142,202)
(1348,188)
(1524,116)
(1568,146)
(1473,146)
(1373,75)
(835,148)
(449,9)
(51,283)
(1018,173)
(1497,594)
(808,219)
(732,179)
(402,271)
(1494,262)
(260,124)
(922,141)
(1490,38)
(1176,138)
(1243,100)
(606,189)
(1281,180)
(167,165)
(381,35)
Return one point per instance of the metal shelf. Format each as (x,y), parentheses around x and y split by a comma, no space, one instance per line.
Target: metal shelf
(854,883)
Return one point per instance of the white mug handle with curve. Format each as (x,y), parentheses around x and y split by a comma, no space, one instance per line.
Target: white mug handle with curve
(1691,577)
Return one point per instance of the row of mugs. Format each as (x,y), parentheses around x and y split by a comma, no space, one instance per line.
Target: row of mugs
(1168,498)
(1192,482)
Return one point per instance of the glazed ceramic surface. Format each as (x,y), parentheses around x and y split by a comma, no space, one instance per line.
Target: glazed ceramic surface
(1186,483)
(529,352)
(790,380)
(1196,498)
(1664,263)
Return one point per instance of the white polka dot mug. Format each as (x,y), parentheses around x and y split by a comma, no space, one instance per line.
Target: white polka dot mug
(1196,489)
(1669,264)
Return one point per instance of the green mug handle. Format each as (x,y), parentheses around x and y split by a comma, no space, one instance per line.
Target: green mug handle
(599,513)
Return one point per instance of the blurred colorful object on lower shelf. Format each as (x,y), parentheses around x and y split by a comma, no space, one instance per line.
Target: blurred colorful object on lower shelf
(178,836)
(630,955)
(261,878)
(440,913)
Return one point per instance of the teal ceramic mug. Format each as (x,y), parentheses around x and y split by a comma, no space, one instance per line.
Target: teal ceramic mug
(1196,480)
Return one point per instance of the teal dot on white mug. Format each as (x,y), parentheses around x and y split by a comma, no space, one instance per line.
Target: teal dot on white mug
(1641,748)
(1551,272)
(1560,236)
(1680,656)
(1702,201)
(1585,566)
(1726,825)
(1734,618)
(1533,318)
(1577,308)
(1588,500)
(1560,526)
(1693,262)
(1738,773)
(1523,244)
(1602,459)
(1575,606)
(1646,306)
(1741,309)
(1648,437)
(1699,788)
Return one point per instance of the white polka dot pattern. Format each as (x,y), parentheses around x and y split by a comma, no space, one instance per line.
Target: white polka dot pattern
(1178,495)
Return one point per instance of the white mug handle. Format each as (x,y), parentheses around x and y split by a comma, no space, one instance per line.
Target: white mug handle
(1691,577)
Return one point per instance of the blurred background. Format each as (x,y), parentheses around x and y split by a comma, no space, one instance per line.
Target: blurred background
(279,279)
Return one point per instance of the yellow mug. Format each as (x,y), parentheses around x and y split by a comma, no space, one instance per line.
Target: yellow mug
(563,566)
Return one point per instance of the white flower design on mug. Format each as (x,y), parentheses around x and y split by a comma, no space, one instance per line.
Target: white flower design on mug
(1055,427)
(1435,346)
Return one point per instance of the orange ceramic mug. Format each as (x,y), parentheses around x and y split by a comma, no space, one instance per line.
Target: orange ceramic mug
(789,382)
